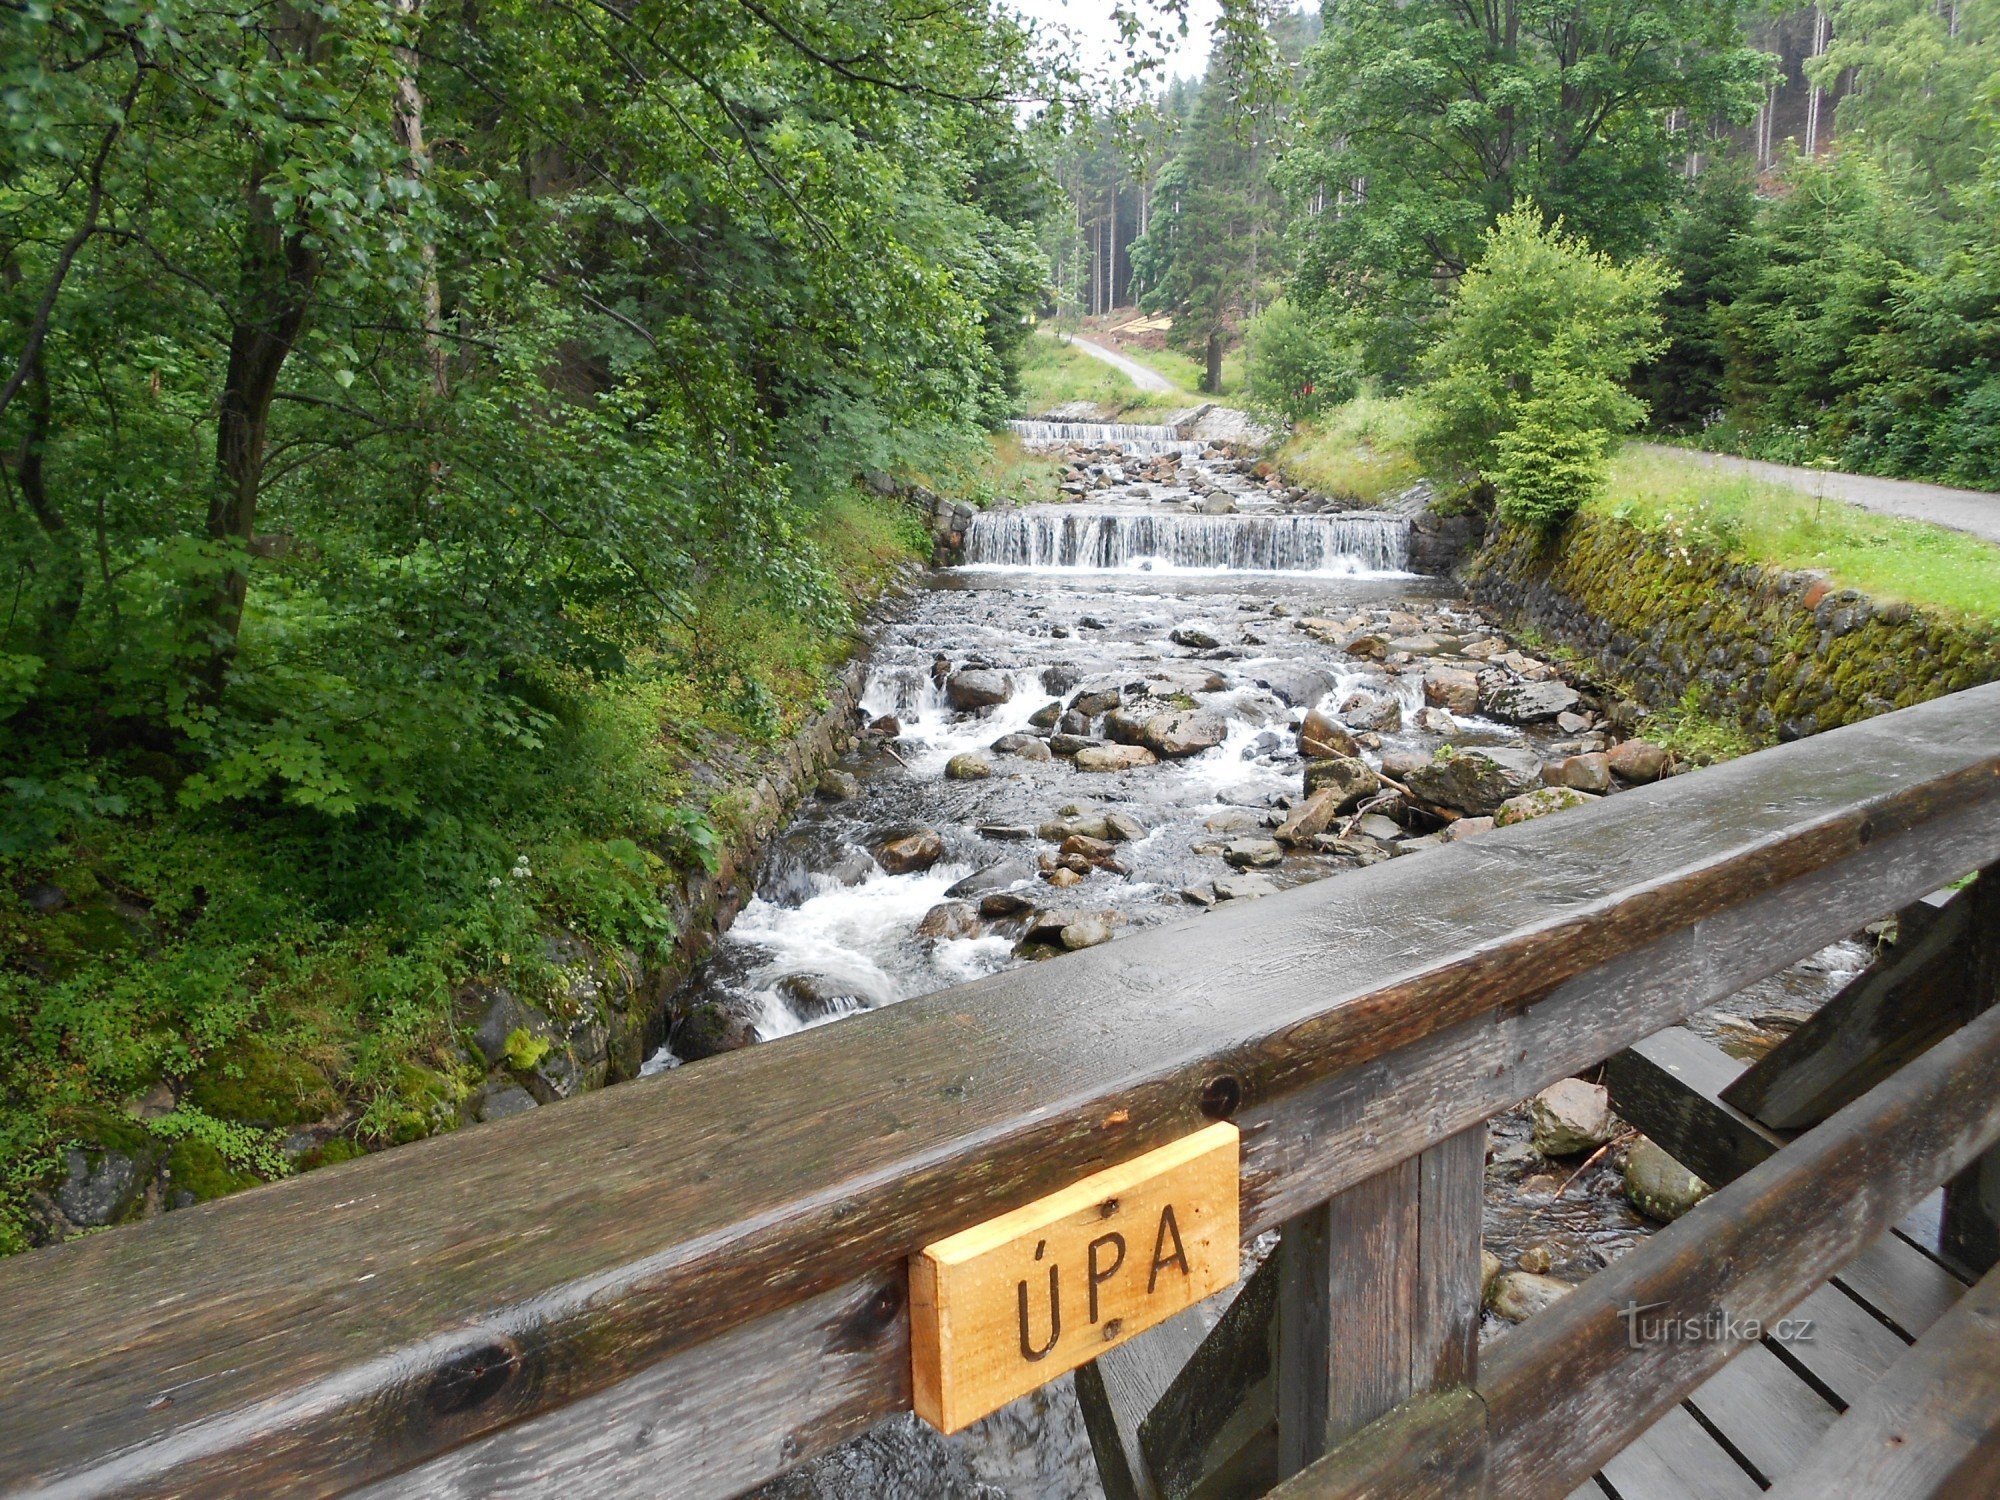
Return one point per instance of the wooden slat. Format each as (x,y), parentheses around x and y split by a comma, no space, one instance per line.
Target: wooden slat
(1118,1389)
(1930,1427)
(1901,1283)
(358,1320)
(1915,994)
(1677,1459)
(1848,1350)
(1969,1235)
(1670,1086)
(1560,1395)
(1766,1411)
(1215,1428)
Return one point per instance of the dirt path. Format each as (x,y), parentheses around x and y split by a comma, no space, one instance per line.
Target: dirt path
(1131,369)
(1970,511)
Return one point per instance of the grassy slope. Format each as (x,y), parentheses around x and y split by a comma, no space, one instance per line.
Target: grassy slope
(1186,373)
(282,968)
(1054,374)
(1882,556)
(1358,452)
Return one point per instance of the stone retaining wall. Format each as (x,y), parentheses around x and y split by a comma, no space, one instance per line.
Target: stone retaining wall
(1784,654)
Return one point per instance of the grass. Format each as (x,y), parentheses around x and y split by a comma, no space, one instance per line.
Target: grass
(194,946)
(1754,521)
(1007,471)
(1358,452)
(1186,372)
(1055,374)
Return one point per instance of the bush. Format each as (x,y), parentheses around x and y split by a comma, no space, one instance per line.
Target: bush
(1296,368)
(1525,382)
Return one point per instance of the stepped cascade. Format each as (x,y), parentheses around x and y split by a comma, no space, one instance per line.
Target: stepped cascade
(1112,541)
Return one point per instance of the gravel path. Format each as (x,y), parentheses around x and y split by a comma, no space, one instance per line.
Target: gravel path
(1971,511)
(1131,369)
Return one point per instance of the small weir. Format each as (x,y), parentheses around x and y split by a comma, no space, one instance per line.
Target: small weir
(1106,541)
(1139,439)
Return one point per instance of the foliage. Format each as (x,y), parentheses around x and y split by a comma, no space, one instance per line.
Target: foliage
(1053,373)
(1297,368)
(1525,378)
(1426,121)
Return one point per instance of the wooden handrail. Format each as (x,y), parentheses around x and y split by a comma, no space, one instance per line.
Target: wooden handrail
(1559,1396)
(562,1277)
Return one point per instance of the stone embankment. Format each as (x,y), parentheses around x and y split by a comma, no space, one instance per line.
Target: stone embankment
(1783,654)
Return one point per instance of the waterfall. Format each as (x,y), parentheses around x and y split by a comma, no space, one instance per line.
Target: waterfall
(1103,541)
(1138,439)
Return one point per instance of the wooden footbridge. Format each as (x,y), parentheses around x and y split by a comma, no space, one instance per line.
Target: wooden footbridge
(683,1287)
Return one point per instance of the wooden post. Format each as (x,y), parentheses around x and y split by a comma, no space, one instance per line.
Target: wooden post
(1379,1297)
(1970,1237)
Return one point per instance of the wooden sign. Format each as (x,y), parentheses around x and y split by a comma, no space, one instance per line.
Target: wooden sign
(1005,1306)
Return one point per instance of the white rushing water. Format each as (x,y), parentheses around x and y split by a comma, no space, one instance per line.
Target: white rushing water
(1137,438)
(1150,541)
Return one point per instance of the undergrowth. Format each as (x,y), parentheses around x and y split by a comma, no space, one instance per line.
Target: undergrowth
(1359,452)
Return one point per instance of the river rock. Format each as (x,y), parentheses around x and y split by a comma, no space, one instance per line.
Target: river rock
(1062,877)
(1660,1187)
(1320,737)
(1047,926)
(1026,746)
(1348,775)
(1178,735)
(995,877)
(1372,711)
(1539,804)
(1529,702)
(1245,887)
(838,786)
(1115,758)
(1252,854)
(1067,745)
(1086,932)
(1059,678)
(102,1186)
(1519,1295)
(1095,851)
(949,919)
(709,1029)
(1296,687)
(1196,637)
(1123,828)
(507,1100)
(1451,689)
(1475,781)
(1590,772)
(1638,761)
(1091,702)
(977,687)
(1047,716)
(1378,826)
(1075,819)
(1571,1116)
(1004,904)
(1311,817)
(967,767)
(904,854)
(1074,723)
(1466,828)
(1490,1267)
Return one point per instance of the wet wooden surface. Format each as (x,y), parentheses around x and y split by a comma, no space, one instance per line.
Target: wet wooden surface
(354,1322)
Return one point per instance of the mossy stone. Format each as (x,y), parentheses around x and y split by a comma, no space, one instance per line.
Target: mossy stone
(255,1082)
(197,1172)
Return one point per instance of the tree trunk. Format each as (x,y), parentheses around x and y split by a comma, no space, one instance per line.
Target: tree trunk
(410,131)
(1211,377)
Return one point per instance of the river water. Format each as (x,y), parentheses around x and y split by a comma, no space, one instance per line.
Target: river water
(1175,581)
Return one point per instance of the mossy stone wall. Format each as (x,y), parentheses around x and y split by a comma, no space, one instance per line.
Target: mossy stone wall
(1783,654)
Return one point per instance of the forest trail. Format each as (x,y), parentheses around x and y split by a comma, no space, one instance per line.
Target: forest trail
(1131,369)
(1970,511)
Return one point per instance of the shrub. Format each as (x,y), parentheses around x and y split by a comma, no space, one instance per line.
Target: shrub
(1296,367)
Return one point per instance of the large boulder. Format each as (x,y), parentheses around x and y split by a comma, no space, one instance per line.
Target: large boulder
(1660,1187)
(977,687)
(1092,701)
(1372,711)
(708,1029)
(1348,775)
(1320,737)
(1451,689)
(104,1186)
(1571,1116)
(970,766)
(1196,636)
(1246,887)
(1476,781)
(1539,803)
(1178,735)
(1519,1295)
(1638,761)
(908,853)
(1114,758)
(1252,853)
(1310,818)
(1530,702)
(1581,773)
(1295,686)
(838,786)
(949,919)
(995,877)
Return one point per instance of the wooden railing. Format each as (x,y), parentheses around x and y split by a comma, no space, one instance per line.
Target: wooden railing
(685,1285)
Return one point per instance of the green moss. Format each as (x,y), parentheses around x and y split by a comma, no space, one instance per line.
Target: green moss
(327,1153)
(255,1082)
(524,1049)
(103,1129)
(196,1167)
